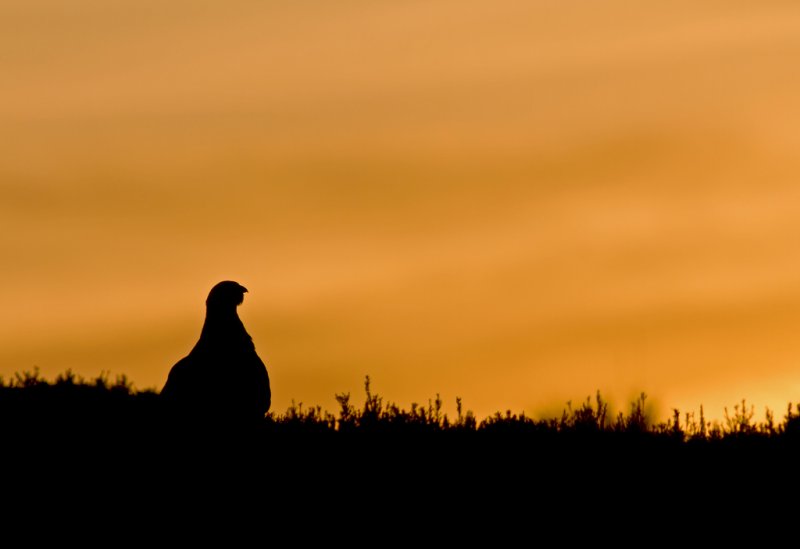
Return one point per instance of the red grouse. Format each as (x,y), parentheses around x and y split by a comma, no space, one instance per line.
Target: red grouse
(222,379)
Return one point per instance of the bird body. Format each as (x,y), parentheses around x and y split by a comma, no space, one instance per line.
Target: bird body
(222,378)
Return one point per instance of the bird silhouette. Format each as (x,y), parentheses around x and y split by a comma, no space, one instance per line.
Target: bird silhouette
(222,379)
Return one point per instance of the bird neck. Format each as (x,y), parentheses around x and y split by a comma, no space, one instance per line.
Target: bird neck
(222,324)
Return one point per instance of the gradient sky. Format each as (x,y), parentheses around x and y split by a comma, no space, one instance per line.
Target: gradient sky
(513,202)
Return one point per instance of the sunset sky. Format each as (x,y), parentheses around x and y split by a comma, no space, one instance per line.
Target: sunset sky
(514,202)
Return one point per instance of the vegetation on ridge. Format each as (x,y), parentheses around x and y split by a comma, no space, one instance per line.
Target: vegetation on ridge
(70,400)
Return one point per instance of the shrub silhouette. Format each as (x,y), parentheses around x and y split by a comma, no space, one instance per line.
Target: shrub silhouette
(71,403)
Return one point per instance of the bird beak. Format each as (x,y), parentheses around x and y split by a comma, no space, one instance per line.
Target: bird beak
(243,289)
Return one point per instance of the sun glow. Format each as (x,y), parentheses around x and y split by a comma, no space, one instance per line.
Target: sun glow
(517,203)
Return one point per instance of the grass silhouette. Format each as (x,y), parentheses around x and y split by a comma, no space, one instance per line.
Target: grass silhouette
(381,464)
(73,404)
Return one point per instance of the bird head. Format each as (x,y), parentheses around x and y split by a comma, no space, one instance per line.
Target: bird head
(226,295)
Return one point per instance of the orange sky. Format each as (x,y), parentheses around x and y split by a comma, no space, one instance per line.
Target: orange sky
(514,202)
